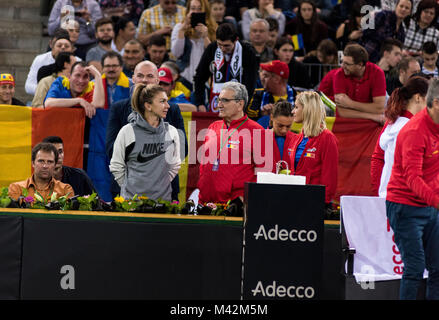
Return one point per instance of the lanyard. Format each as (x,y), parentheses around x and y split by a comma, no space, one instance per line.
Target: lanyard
(221,140)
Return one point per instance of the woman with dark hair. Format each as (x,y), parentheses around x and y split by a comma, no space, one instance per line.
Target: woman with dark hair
(314,152)
(421,28)
(281,118)
(124,31)
(350,30)
(146,153)
(262,9)
(388,24)
(284,51)
(402,105)
(308,24)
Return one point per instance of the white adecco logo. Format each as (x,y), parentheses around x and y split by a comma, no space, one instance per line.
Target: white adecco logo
(281,291)
(294,235)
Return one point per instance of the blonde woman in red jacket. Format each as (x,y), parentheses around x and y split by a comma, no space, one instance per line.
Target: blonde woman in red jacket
(314,152)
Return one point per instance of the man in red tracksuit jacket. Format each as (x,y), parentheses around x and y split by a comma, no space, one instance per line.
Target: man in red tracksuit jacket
(233,148)
(412,200)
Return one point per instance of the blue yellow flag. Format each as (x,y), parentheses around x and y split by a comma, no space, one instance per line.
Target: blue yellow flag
(335,2)
(297,41)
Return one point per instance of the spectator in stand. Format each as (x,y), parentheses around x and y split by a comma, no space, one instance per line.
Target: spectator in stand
(178,85)
(322,60)
(104,35)
(308,24)
(134,52)
(263,9)
(403,104)
(259,29)
(44,158)
(59,43)
(391,55)
(391,4)
(225,50)
(63,64)
(7,90)
(156,50)
(124,31)
(129,9)
(228,164)
(429,58)
(76,178)
(359,86)
(284,51)
(72,27)
(160,19)
(116,87)
(86,12)
(273,32)
(138,166)
(350,30)
(218,12)
(412,200)
(421,28)
(327,84)
(388,24)
(188,43)
(274,77)
(77,90)
(405,69)
(281,118)
(174,96)
(314,152)
(236,8)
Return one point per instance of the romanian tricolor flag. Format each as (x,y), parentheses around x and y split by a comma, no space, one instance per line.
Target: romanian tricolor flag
(24,127)
(297,41)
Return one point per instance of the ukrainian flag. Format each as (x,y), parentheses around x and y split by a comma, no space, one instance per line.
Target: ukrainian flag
(297,41)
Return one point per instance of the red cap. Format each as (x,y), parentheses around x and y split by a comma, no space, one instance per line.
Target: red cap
(165,75)
(7,78)
(278,67)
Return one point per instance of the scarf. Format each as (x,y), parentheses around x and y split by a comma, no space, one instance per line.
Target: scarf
(266,97)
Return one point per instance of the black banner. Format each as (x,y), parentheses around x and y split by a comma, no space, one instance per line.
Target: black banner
(10,256)
(90,259)
(283,251)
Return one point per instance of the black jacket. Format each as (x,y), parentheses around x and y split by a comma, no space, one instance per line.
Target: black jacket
(79,180)
(250,65)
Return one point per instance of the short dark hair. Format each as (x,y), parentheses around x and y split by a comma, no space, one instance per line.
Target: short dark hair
(405,62)
(282,108)
(429,47)
(61,59)
(53,139)
(157,40)
(111,54)
(81,63)
(103,21)
(388,45)
(60,33)
(119,23)
(357,52)
(226,31)
(46,147)
(273,23)
(283,40)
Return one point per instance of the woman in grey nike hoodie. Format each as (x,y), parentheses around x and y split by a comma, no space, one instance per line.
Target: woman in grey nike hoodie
(146,153)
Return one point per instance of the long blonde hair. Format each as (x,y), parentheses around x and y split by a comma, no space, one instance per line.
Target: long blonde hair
(314,113)
(210,21)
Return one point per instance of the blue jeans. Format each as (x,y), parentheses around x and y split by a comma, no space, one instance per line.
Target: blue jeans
(417,237)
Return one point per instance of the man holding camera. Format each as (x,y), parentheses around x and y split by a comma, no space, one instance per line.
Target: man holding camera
(86,12)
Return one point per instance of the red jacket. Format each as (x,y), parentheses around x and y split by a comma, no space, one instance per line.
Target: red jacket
(415,173)
(286,152)
(241,154)
(319,161)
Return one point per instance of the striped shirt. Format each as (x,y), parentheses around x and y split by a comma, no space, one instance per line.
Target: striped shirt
(415,37)
(155,18)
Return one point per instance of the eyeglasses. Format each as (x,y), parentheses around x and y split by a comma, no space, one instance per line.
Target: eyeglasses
(348,64)
(225,100)
(111,66)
